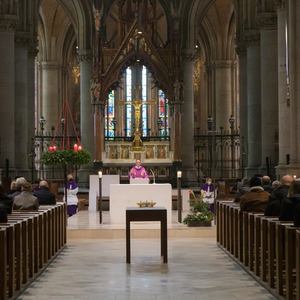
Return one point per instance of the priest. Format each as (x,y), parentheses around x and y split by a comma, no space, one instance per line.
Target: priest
(138,171)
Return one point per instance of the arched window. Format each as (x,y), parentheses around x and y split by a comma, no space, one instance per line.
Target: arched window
(110,116)
(110,121)
(137,83)
(163,112)
(144,99)
(128,107)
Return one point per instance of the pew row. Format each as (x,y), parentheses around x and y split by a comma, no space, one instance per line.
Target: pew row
(28,243)
(265,247)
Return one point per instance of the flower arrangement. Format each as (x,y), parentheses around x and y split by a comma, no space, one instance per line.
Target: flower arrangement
(200,214)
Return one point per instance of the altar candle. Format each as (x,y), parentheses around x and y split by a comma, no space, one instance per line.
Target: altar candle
(100,174)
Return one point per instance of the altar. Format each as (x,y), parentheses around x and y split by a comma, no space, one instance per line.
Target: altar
(125,195)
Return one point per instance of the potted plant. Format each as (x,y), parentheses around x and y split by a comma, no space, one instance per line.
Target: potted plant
(200,214)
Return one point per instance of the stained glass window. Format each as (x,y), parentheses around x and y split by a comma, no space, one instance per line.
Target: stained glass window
(163,112)
(128,107)
(144,99)
(110,116)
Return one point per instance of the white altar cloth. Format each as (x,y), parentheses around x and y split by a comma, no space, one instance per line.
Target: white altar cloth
(125,195)
(107,180)
(185,194)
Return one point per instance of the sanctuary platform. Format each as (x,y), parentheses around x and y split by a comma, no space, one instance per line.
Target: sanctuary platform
(85,225)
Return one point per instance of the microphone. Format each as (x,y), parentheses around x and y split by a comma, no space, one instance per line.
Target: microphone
(152,172)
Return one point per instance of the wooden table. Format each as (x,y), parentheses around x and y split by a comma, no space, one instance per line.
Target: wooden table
(135,214)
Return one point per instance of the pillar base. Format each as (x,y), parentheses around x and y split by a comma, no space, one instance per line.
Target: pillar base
(84,175)
(291,169)
(251,171)
(281,170)
(263,170)
(189,176)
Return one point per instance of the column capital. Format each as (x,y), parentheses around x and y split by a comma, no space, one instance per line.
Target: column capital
(252,38)
(241,48)
(189,55)
(267,20)
(46,65)
(8,23)
(222,64)
(22,38)
(280,4)
(85,55)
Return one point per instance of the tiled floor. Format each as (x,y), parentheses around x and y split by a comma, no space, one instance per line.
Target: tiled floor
(96,269)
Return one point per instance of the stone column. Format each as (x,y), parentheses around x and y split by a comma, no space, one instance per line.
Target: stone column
(223,92)
(176,130)
(86,108)
(253,104)
(51,93)
(187,141)
(21,103)
(269,92)
(7,88)
(283,102)
(294,75)
(99,132)
(242,61)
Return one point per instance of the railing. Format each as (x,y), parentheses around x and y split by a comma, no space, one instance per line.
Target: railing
(218,154)
(28,242)
(266,247)
(143,138)
(40,144)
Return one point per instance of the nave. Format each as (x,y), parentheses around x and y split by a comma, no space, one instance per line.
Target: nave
(96,269)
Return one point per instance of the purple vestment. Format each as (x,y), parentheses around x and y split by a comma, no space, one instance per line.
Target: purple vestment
(138,172)
(71,185)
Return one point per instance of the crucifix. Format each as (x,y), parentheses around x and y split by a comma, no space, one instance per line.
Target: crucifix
(137,102)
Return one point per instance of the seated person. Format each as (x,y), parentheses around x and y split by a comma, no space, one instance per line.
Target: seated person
(26,201)
(278,196)
(5,201)
(16,187)
(44,195)
(242,189)
(256,199)
(138,171)
(289,210)
(266,184)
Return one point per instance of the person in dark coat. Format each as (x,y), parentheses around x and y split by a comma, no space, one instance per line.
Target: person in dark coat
(266,184)
(290,206)
(277,197)
(44,195)
(3,214)
(5,202)
(256,199)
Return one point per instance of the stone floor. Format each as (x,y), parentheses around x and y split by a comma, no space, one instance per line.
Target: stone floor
(96,269)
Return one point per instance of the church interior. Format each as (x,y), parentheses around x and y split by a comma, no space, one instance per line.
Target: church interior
(143,119)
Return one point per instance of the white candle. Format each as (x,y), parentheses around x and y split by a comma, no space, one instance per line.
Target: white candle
(295,176)
(179,174)
(100,174)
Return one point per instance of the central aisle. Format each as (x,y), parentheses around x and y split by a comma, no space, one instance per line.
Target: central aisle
(96,269)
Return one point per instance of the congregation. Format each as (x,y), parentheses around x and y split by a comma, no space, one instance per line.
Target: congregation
(24,196)
(276,199)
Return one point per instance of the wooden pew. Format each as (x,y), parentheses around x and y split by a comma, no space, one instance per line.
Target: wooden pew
(265,246)
(24,242)
(3,264)
(297,264)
